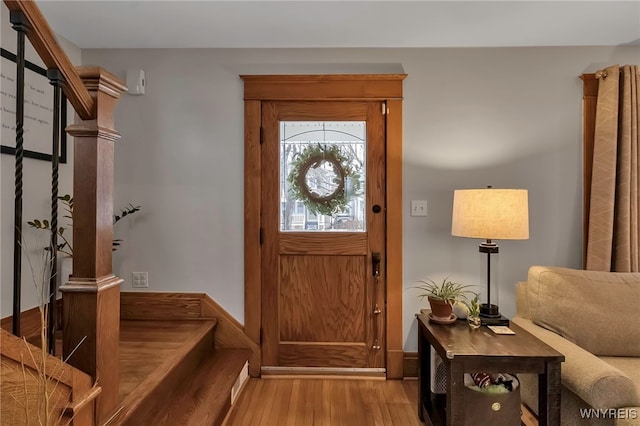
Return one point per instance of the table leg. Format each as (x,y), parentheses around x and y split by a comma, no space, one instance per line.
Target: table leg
(549,395)
(455,396)
(424,372)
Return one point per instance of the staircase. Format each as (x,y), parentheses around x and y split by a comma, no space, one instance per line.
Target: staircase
(182,360)
(148,358)
(171,374)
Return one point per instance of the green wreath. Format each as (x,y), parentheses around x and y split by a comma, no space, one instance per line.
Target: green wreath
(311,158)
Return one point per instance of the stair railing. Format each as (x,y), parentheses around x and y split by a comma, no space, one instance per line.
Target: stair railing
(91,298)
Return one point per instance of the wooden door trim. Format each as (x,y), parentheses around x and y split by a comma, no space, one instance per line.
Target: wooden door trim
(365,87)
(394,240)
(252,256)
(356,87)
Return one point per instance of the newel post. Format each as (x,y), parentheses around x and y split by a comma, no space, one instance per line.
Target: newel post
(91,298)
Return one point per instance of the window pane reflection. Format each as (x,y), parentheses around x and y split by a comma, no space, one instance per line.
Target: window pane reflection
(320,198)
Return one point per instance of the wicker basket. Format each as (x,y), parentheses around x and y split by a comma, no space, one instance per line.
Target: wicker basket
(488,409)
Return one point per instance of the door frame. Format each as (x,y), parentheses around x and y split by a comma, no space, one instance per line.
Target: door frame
(341,87)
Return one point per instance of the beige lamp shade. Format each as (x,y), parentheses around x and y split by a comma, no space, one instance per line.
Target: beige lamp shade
(491,213)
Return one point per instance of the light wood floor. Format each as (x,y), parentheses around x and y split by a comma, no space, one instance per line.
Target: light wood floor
(320,402)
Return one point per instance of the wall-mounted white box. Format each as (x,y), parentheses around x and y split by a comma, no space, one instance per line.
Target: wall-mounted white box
(140,280)
(418,207)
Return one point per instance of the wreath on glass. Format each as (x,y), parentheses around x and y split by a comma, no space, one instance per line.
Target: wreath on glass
(343,183)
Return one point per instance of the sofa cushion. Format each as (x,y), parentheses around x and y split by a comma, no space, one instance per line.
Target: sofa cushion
(599,311)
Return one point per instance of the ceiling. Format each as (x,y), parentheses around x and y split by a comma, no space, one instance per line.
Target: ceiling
(308,24)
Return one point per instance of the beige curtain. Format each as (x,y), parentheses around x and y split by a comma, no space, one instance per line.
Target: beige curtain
(613,217)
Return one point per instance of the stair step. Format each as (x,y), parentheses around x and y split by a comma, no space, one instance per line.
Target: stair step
(152,394)
(204,398)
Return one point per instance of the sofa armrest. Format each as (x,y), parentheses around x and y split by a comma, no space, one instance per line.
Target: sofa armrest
(597,383)
(630,418)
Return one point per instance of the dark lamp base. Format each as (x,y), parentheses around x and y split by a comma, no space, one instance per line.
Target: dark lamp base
(495,321)
(489,311)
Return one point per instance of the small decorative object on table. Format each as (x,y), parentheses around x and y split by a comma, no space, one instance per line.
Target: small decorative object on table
(473,317)
(442,297)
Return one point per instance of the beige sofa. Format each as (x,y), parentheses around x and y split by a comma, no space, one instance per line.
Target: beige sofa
(593,318)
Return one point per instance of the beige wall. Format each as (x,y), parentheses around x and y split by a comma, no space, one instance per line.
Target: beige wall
(509,117)
(37,191)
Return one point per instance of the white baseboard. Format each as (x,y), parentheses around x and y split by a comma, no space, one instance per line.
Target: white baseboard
(240,382)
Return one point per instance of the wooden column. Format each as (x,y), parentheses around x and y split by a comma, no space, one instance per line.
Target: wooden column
(91,298)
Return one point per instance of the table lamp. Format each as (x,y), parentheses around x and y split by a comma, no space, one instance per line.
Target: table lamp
(490,214)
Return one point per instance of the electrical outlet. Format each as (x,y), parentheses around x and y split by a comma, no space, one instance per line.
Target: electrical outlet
(140,280)
(418,207)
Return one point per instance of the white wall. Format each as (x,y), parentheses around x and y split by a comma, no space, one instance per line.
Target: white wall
(37,191)
(509,117)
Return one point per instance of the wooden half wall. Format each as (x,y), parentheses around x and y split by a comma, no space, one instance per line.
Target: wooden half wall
(25,369)
(31,322)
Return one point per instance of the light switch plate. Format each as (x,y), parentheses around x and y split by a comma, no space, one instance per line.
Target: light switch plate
(140,279)
(418,207)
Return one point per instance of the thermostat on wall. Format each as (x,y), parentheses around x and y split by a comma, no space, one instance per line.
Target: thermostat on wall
(135,82)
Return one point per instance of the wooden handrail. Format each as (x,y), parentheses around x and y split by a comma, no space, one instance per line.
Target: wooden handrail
(25,353)
(18,351)
(44,42)
(73,409)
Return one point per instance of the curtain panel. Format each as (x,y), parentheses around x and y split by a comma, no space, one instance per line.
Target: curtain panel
(613,231)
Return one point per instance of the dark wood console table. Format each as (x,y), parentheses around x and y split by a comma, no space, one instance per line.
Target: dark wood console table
(465,350)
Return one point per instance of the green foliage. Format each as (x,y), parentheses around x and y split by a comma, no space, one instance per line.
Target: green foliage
(473,306)
(312,157)
(67,201)
(448,290)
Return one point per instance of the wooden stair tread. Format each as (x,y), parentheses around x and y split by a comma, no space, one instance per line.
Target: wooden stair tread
(153,356)
(149,349)
(205,397)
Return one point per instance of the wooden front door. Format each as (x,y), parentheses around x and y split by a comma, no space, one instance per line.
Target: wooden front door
(323,234)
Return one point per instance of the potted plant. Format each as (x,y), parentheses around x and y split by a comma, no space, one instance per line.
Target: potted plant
(442,296)
(473,316)
(64,245)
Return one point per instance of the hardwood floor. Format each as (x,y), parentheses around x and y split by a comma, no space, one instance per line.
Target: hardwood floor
(320,402)
(331,402)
